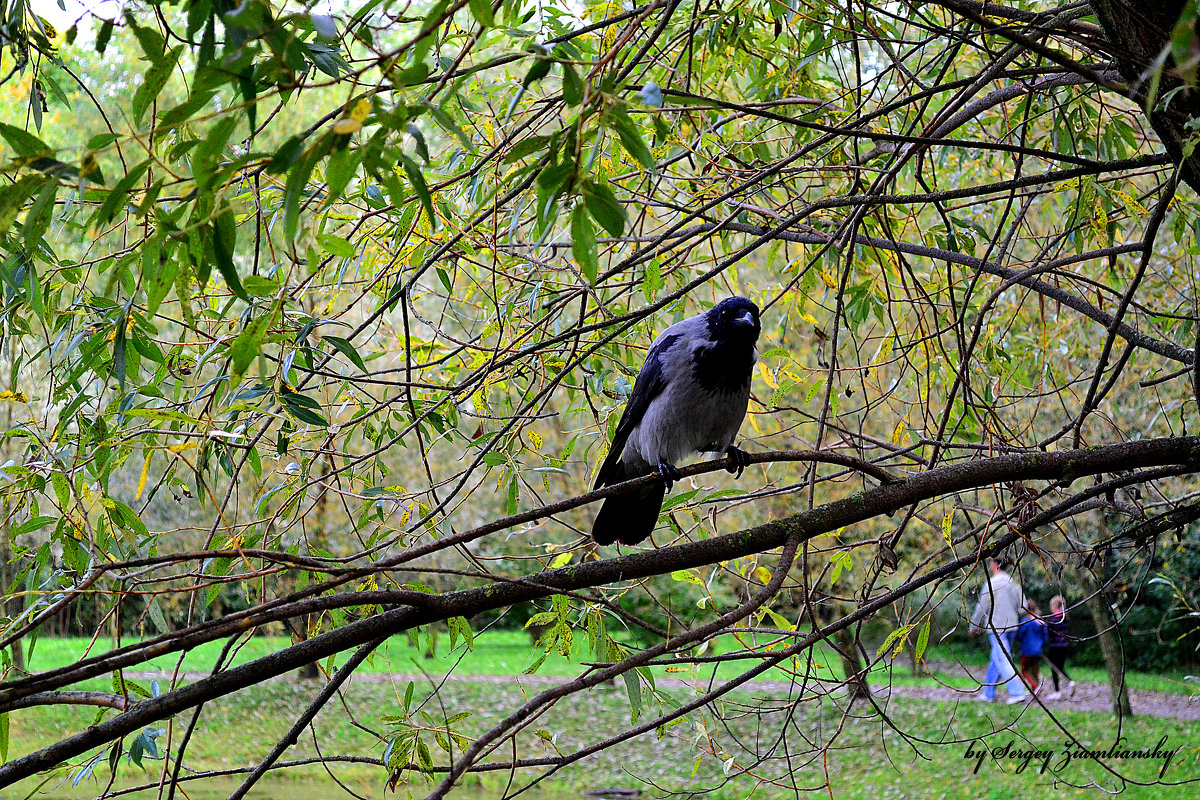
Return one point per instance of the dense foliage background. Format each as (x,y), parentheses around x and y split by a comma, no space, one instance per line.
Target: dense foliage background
(315,318)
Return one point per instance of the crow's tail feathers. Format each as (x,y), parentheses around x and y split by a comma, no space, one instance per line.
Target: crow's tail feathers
(630,517)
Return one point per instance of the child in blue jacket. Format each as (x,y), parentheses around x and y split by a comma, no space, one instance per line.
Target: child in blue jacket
(1032,635)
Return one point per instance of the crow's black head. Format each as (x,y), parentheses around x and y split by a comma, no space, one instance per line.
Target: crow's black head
(725,364)
(734,319)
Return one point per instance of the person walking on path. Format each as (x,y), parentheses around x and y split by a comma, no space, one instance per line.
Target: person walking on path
(1057,645)
(1032,637)
(998,614)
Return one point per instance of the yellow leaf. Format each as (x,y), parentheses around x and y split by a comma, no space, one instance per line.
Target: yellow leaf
(1132,207)
(767,376)
(946,524)
(16,397)
(885,349)
(141,486)
(827,278)
(898,434)
(1067,184)
(535,440)
(346,125)
(1099,219)
(361,109)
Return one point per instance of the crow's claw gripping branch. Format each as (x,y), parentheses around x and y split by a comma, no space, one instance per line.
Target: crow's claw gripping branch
(740,461)
(668,473)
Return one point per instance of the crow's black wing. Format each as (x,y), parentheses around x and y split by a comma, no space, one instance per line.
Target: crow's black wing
(649,384)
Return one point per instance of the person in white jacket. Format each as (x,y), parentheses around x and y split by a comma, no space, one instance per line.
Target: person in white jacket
(999,614)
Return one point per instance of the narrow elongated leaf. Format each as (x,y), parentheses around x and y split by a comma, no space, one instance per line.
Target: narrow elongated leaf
(286,155)
(631,140)
(23,142)
(120,355)
(103,35)
(13,197)
(583,243)
(420,187)
(633,687)
(527,147)
(152,84)
(173,117)
(344,347)
(922,639)
(38,218)
(224,244)
(443,119)
(339,171)
(326,26)
(112,204)
(248,344)
(293,193)
(572,86)
(481,10)
(540,69)
(259,286)
(303,408)
(114,756)
(602,204)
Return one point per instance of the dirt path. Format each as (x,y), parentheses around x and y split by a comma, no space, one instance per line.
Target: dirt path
(1092,697)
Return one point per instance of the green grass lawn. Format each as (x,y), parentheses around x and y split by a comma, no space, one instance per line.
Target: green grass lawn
(507,652)
(917,753)
(493,653)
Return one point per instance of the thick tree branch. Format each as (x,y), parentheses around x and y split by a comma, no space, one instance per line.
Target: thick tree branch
(1062,467)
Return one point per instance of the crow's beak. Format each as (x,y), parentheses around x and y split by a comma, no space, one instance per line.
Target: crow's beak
(744,320)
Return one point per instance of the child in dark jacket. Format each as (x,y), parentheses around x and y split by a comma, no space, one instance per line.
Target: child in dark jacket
(1057,645)
(1032,634)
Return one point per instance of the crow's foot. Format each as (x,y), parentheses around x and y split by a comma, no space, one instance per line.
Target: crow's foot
(740,460)
(668,473)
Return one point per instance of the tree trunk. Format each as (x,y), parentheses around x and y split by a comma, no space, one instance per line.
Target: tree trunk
(1099,605)
(856,673)
(309,671)
(10,606)
(1139,35)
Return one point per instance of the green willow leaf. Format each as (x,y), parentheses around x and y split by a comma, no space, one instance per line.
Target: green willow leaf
(540,69)
(527,147)
(248,344)
(417,180)
(297,182)
(572,86)
(303,408)
(481,10)
(344,347)
(153,82)
(13,197)
(583,243)
(631,140)
(604,207)
(224,245)
(23,142)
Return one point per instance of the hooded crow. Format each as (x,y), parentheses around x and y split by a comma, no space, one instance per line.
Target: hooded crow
(689,397)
